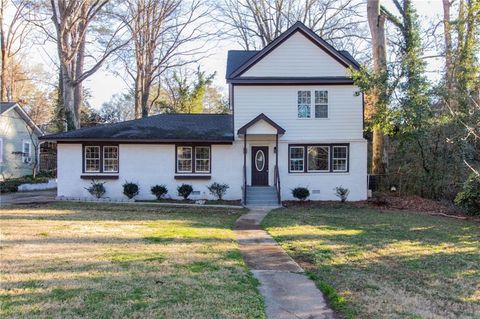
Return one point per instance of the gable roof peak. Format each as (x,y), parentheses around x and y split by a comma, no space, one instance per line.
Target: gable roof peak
(309,34)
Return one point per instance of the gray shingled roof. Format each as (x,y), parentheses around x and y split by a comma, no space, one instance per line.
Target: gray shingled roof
(236,58)
(157,128)
(5,106)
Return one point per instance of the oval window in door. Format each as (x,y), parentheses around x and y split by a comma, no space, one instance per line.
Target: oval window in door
(260,160)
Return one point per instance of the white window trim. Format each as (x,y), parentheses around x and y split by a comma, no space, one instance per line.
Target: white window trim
(191,159)
(85,159)
(103,164)
(1,150)
(340,158)
(209,160)
(328,158)
(312,107)
(25,142)
(297,159)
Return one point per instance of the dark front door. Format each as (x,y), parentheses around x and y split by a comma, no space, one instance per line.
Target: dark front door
(259,165)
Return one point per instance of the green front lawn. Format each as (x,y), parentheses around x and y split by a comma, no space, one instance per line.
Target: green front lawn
(84,260)
(385,264)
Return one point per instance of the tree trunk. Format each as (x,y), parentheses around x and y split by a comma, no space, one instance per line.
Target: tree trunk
(376,21)
(138,97)
(3,89)
(69,102)
(448,51)
(145,96)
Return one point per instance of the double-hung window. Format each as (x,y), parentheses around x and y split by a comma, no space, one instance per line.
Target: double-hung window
(26,151)
(321,104)
(100,159)
(296,158)
(340,158)
(318,158)
(193,159)
(316,107)
(1,150)
(304,102)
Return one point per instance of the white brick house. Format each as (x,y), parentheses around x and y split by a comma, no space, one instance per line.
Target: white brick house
(297,120)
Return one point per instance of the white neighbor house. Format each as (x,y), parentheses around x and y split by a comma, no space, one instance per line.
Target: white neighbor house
(297,120)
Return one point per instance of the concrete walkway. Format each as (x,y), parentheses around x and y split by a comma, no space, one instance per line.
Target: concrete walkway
(33,197)
(287,291)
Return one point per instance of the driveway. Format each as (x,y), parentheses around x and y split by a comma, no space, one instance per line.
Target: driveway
(34,197)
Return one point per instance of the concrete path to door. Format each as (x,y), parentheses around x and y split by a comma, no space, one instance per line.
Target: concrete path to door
(287,291)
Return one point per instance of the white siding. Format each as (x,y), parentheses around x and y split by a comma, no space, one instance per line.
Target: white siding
(344,123)
(297,56)
(149,165)
(355,179)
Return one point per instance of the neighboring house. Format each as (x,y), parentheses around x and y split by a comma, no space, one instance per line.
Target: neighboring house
(297,120)
(18,141)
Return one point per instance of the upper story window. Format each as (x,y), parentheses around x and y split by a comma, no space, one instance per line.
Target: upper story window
(100,159)
(312,108)
(26,151)
(304,104)
(193,159)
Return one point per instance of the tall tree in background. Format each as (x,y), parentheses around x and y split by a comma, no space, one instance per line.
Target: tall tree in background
(377,93)
(186,96)
(73,20)
(166,34)
(255,23)
(13,35)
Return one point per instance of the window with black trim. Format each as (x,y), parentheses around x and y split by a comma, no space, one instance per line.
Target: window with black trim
(318,158)
(340,158)
(312,104)
(192,159)
(100,159)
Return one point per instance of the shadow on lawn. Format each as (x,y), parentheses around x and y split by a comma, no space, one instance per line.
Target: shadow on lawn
(368,253)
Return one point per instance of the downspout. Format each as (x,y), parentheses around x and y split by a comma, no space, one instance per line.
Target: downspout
(245,169)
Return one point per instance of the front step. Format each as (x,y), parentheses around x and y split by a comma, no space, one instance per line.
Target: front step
(261,196)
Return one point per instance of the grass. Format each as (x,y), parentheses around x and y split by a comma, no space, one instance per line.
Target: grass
(68,260)
(373,264)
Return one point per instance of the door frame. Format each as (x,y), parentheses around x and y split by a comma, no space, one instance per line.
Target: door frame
(265,177)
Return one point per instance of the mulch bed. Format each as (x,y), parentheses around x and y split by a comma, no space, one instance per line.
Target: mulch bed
(387,202)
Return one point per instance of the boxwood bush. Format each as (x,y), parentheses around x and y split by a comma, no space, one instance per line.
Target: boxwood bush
(301,193)
(96,189)
(159,191)
(184,190)
(218,190)
(130,189)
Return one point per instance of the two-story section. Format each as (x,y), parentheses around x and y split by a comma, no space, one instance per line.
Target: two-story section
(299,117)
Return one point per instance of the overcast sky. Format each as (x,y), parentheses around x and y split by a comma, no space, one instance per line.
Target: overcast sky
(102,85)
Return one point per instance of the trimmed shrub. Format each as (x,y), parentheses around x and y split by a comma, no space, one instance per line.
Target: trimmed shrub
(130,189)
(184,190)
(301,193)
(342,193)
(96,189)
(159,191)
(218,190)
(469,197)
(8,187)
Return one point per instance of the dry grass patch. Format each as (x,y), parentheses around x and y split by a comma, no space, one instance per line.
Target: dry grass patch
(102,261)
(386,265)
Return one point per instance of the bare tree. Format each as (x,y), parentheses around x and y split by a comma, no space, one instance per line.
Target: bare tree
(165,34)
(73,22)
(13,34)
(255,23)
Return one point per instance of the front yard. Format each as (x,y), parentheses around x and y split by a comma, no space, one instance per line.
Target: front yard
(70,260)
(385,265)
